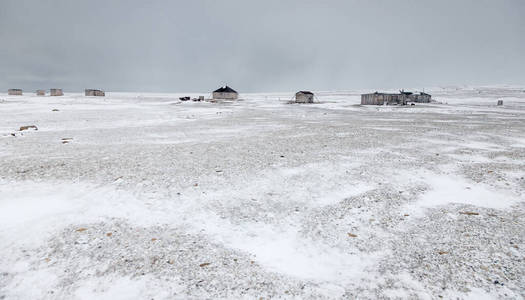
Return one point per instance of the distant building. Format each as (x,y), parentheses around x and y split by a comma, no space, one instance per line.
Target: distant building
(421,98)
(394,99)
(91,92)
(225,92)
(56,92)
(424,98)
(304,97)
(40,92)
(14,92)
(383,99)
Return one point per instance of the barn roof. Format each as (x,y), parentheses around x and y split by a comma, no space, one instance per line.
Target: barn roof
(306,92)
(225,89)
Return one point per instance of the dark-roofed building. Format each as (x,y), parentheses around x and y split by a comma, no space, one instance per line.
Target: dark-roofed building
(14,92)
(225,92)
(304,97)
(423,98)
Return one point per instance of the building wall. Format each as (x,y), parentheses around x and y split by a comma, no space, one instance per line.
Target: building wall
(15,92)
(98,93)
(304,98)
(56,92)
(40,93)
(371,99)
(420,98)
(217,95)
(375,99)
(424,98)
(381,99)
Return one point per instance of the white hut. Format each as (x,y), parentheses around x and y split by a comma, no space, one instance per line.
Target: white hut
(92,92)
(40,92)
(56,92)
(14,92)
(304,97)
(225,92)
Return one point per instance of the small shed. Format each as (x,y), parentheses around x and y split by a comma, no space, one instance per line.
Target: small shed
(93,92)
(56,92)
(421,97)
(40,92)
(424,97)
(304,97)
(14,92)
(225,92)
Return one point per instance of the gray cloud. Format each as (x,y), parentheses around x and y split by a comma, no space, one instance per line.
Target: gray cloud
(132,45)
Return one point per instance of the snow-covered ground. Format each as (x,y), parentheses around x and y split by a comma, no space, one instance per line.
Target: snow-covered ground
(141,196)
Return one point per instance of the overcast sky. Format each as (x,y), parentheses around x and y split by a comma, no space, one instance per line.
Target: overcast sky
(266,45)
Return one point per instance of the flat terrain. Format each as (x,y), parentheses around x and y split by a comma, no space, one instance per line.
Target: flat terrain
(143,196)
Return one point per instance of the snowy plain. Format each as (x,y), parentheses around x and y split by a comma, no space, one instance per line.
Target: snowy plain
(142,196)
